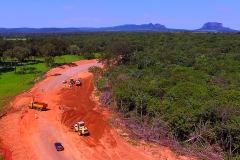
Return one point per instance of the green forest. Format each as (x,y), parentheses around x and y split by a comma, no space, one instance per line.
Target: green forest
(179,86)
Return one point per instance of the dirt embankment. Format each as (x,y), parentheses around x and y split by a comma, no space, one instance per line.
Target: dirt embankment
(30,138)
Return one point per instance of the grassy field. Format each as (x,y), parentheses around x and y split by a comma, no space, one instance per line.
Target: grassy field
(11,83)
(15,39)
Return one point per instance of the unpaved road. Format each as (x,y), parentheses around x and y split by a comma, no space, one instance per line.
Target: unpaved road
(30,138)
(48,134)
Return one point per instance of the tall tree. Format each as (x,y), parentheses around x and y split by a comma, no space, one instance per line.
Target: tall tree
(48,50)
(74,49)
(21,53)
(9,53)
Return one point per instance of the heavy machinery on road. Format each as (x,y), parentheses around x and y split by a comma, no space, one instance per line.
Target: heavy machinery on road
(64,81)
(40,106)
(78,82)
(72,81)
(80,128)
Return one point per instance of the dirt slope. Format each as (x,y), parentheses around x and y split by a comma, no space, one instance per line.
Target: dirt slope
(30,138)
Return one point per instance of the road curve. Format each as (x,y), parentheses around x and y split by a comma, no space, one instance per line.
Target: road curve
(57,81)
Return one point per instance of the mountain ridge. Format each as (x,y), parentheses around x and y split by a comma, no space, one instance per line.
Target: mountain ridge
(207,27)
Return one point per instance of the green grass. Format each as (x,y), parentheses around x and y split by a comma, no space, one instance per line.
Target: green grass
(66,59)
(12,84)
(15,39)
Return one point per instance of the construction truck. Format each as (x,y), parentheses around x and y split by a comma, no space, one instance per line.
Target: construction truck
(78,82)
(40,106)
(80,128)
(71,81)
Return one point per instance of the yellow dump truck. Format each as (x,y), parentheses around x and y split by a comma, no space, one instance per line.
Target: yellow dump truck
(40,106)
(80,128)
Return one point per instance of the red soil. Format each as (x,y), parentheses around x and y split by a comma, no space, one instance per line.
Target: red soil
(30,138)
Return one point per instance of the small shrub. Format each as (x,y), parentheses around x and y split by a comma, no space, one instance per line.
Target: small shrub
(30,83)
(97,93)
(2,157)
(97,55)
(31,70)
(101,83)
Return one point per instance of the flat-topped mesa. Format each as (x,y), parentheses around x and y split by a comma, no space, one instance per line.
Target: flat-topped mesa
(134,27)
(213,25)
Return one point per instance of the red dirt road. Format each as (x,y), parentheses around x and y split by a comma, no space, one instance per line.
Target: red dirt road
(29,138)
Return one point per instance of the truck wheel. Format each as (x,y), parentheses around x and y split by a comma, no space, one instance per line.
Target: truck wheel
(29,107)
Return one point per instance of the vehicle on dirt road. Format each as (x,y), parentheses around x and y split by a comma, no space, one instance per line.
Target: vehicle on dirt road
(78,82)
(40,106)
(80,128)
(64,81)
(58,146)
(72,81)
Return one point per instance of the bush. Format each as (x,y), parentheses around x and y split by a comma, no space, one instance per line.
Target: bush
(2,157)
(101,83)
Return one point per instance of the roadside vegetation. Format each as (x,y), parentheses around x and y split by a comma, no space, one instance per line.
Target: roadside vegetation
(2,157)
(175,89)
(178,89)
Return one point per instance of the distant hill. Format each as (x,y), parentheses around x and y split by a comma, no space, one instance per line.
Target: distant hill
(134,27)
(207,27)
(215,27)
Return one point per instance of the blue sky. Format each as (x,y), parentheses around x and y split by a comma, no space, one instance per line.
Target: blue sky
(180,14)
